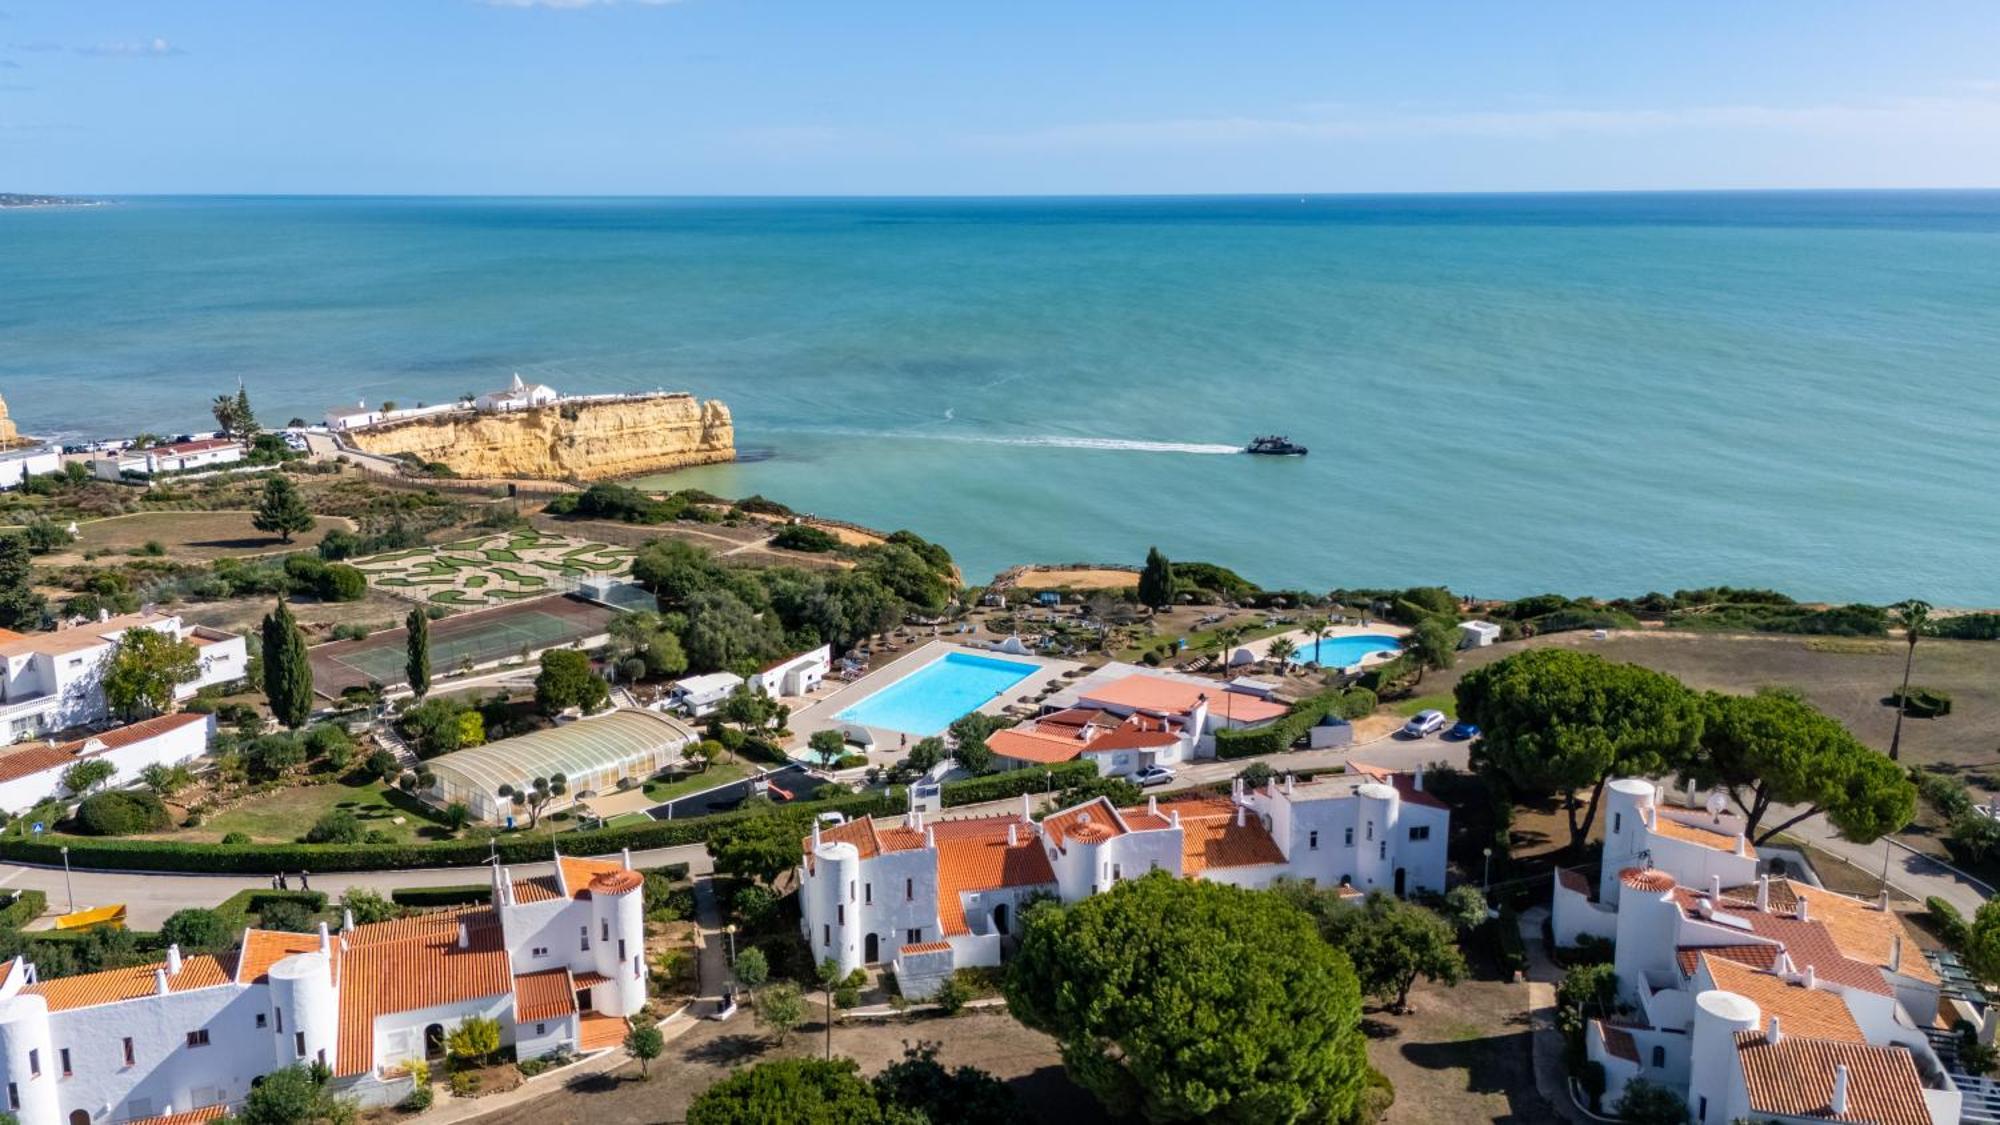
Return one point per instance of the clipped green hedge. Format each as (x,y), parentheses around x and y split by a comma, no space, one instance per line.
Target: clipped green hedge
(1013,783)
(1923,702)
(313,901)
(23,908)
(467,894)
(113,854)
(1278,737)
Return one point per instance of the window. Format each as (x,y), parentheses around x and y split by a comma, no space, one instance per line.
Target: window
(1312,841)
(912,937)
(1350,837)
(840,913)
(64,1056)
(1382,850)
(1117,872)
(13,1096)
(541,1029)
(850,890)
(605,930)
(621,949)
(130,1058)
(262,1019)
(868,894)
(299,1043)
(1703,1115)
(583,937)
(1371,830)
(1617,823)
(909,889)
(34,1062)
(1659,1058)
(826,935)
(1421,832)
(539,951)
(198,1038)
(280,1012)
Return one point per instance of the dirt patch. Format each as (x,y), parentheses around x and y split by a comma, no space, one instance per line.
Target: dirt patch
(708,1052)
(188,535)
(1084,578)
(1459,1054)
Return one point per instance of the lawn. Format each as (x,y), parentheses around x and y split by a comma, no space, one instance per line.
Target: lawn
(493,569)
(283,815)
(188,535)
(1437,701)
(721,773)
(1200,642)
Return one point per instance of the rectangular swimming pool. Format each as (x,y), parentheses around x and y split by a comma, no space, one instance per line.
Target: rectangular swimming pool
(929,699)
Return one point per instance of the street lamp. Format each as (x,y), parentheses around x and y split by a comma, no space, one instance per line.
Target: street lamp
(1486,881)
(730,929)
(70,890)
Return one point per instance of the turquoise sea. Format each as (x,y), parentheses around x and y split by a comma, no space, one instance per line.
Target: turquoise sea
(1509,394)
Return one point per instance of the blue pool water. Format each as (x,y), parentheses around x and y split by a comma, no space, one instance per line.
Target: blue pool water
(1340,652)
(927,700)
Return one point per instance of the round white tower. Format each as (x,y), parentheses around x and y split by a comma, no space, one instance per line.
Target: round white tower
(836,905)
(618,907)
(1718,1016)
(1628,801)
(1374,837)
(302,989)
(1647,925)
(24,1027)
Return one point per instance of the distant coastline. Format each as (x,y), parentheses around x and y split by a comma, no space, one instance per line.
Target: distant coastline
(17,199)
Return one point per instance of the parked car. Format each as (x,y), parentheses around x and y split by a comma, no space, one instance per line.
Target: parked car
(1425,723)
(1462,731)
(1154,775)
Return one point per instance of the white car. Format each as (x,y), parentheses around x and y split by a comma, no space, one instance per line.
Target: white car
(1153,775)
(1425,723)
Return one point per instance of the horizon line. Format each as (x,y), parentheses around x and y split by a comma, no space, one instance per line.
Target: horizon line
(800,196)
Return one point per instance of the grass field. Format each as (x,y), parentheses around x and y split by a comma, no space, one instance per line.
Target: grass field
(285,814)
(492,569)
(721,773)
(188,535)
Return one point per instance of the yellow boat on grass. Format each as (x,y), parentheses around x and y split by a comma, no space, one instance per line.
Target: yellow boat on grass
(97,917)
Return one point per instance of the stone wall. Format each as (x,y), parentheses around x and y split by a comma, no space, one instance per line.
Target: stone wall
(577,440)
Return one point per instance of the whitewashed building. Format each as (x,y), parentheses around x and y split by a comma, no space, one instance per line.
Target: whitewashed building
(174,457)
(700,696)
(794,675)
(931,896)
(557,961)
(32,772)
(516,395)
(17,465)
(50,682)
(1755,997)
(1127,724)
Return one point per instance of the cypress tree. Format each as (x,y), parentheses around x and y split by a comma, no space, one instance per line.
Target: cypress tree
(1156,582)
(20,607)
(418,662)
(287,672)
(282,509)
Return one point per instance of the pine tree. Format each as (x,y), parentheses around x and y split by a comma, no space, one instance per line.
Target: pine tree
(20,607)
(282,509)
(287,671)
(418,665)
(246,426)
(1156,582)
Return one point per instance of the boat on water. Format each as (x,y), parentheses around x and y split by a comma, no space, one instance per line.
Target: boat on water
(1275,445)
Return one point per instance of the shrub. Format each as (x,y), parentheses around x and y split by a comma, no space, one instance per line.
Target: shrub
(1922,702)
(195,929)
(850,761)
(335,827)
(287,916)
(1013,783)
(236,837)
(464,1084)
(23,908)
(424,897)
(1947,795)
(805,537)
(421,1097)
(312,902)
(1279,736)
(121,812)
(1948,922)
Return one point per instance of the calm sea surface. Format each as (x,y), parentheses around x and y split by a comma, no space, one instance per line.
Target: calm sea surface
(1509,394)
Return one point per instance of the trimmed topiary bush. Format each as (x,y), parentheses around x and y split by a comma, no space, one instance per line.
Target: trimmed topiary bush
(121,812)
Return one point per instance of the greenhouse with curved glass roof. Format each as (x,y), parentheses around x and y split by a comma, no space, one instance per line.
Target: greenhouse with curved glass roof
(594,754)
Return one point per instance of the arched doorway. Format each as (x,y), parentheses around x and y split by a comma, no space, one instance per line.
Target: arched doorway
(871,948)
(1400,872)
(1000,919)
(434,1041)
(79,1117)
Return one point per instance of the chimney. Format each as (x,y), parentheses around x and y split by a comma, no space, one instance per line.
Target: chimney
(815,833)
(930,838)
(1027,809)
(346,921)
(1763,894)
(325,940)
(625,857)
(464,936)
(160,982)
(1811,979)
(1896,953)
(174,960)
(1236,789)
(1153,806)
(1242,815)
(1782,964)
(1271,786)
(1289,782)
(1715,889)
(1417,782)
(1013,834)
(1882,901)
(1771,1034)
(1174,815)
(1742,845)
(1801,911)
(1838,1103)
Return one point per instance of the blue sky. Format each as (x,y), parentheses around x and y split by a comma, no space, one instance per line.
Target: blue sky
(948,96)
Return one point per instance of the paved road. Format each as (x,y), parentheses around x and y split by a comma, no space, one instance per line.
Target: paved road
(149,899)
(794,779)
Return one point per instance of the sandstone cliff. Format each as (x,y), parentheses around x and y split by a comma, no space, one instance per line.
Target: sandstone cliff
(592,439)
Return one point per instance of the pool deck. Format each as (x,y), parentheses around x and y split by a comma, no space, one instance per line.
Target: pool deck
(820,714)
(1261,650)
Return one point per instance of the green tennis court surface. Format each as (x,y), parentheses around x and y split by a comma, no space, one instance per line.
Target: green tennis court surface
(481,638)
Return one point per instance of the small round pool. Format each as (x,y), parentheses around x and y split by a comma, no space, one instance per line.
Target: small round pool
(1344,652)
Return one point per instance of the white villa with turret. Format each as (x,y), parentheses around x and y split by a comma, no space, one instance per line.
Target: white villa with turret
(932,896)
(559,961)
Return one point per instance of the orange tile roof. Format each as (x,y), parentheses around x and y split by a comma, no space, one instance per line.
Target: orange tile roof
(578,872)
(1757,956)
(94,634)
(90,989)
(543,996)
(541,888)
(414,963)
(927,947)
(191,1117)
(1807,943)
(973,855)
(1863,930)
(1800,1010)
(265,948)
(34,757)
(1094,821)
(589,979)
(1035,746)
(600,1031)
(1794,1078)
(1174,697)
(1617,1040)
(1696,834)
(1646,879)
(1210,837)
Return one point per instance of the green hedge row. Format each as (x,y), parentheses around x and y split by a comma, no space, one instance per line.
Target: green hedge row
(1013,783)
(116,854)
(23,908)
(465,895)
(313,901)
(1304,715)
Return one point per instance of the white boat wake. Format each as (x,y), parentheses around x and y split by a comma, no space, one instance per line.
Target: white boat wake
(1044,441)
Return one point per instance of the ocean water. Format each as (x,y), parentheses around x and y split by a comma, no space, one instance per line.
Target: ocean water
(1509,394)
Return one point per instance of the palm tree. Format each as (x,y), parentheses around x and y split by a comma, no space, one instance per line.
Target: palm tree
(1915,617)
(1317,628)
(1225,643)
(1280,652)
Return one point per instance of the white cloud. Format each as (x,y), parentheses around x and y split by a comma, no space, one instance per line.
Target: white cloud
(155,48)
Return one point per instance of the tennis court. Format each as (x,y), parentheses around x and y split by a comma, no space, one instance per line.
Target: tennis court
(457,642)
